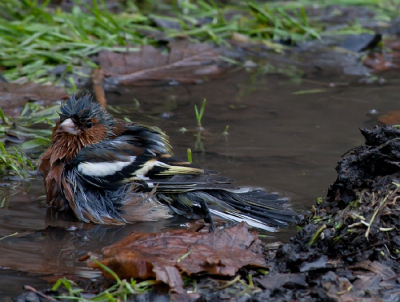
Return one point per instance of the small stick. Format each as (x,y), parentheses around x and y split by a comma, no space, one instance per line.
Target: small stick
(226,285)
(31,289)
(370,223)
(16,233)
(97,83)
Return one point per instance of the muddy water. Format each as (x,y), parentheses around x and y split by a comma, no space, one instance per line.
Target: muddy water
(278,139)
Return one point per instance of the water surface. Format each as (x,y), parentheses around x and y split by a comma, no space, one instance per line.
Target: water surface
(278,140)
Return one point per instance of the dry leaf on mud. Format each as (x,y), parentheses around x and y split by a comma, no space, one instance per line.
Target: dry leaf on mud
(380,269)
(340,289)
(164,255)
(16,95)
(185,62)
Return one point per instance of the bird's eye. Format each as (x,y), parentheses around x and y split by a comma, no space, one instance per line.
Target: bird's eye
(88,124)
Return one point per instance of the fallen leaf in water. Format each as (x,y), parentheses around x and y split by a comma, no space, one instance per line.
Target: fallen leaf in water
(164,255)
(16,95)
(185,62)
(390,118)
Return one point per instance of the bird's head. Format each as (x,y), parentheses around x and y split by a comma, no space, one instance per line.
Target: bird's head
(84,120)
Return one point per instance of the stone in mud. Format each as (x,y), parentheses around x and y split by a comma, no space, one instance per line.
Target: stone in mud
(277,280)
(361,42)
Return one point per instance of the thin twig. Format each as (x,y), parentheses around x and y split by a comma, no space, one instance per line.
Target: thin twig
(97,83)
(16,233)
(230,283)
(31,289)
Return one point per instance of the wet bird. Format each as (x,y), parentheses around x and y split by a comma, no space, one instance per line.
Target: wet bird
(108,171)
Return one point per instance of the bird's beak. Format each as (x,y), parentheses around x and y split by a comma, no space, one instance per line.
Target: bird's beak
(68,126)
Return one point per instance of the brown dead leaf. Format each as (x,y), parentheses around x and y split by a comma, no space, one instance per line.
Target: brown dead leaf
(388,58)
(16,95)
(390,118)
(386,272)
(368,281)
(380,62)
(374,277)
(340,289)
(164,255)
(185,62)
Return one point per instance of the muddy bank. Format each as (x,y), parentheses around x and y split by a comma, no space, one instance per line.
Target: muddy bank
(349,243)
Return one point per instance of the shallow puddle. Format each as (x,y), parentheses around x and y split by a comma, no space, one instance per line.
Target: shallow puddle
(278,140)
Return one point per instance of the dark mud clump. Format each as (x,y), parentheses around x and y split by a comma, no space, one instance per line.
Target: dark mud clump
(354,232)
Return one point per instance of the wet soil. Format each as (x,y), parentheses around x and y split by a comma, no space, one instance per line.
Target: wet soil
(280,138)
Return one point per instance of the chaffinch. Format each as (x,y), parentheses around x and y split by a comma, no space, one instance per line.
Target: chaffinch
(108,171)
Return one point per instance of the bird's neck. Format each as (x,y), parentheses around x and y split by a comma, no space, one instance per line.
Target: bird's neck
(65,147)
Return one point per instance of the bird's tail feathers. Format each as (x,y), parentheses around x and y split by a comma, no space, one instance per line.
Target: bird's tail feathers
(260,209)
(233,216)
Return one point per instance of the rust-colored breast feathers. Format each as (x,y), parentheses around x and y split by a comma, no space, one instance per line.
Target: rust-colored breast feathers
(63,149)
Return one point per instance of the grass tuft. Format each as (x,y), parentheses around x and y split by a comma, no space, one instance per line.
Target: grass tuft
(36,39)
(13,160)
(120,291)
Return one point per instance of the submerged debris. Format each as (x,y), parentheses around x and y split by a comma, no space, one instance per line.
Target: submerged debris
(13,95)
(186,62)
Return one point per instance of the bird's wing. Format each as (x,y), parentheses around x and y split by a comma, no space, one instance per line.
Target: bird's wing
(186,188)
(112,163)
(153,139)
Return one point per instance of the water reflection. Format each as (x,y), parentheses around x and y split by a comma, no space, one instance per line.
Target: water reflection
(37,239)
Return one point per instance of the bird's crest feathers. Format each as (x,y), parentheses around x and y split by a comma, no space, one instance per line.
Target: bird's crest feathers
(84,108)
